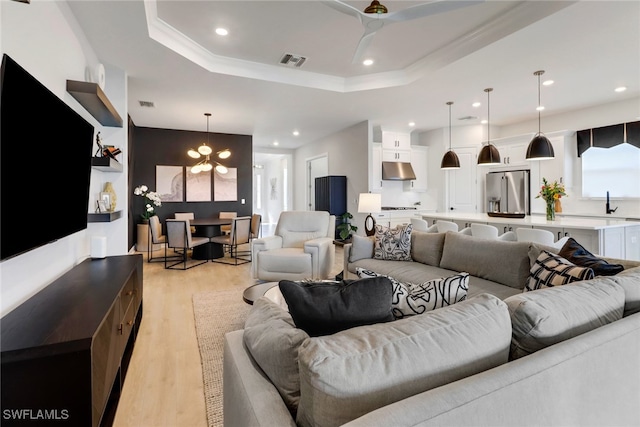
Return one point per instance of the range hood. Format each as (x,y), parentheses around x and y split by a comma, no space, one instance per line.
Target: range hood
(397,171)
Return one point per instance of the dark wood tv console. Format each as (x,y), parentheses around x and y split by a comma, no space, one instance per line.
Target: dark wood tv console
(66,350)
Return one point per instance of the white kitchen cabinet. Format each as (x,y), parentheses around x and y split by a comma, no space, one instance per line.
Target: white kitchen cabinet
(504,227)
(376,171)
(419,163)
(513,154)
(613,243)
(396,141)
(396,156)
(632,242)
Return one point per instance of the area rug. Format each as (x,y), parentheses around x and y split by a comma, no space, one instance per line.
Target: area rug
(216,313)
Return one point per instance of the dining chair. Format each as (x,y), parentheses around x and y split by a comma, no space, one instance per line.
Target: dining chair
(179,238)
(156,238)
(186,215)
(240,235)
(226,229)
(256,223)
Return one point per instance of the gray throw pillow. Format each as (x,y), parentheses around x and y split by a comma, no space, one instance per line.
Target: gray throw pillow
(324,308)
(361,248)
(426,248)
(273,341)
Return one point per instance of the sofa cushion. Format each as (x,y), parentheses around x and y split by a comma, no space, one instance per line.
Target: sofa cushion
(552,270)
(410,299)
(323,308)
(500,261)
(393,243)
(273,340)
(629,279)
(353,372)
(548,316)
(361,247)
(574,252)
(426,248)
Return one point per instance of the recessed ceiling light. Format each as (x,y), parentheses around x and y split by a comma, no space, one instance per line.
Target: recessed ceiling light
(412,124)
(621,89)
(483,121)
(540,108)
(367,62)
(476,104)
(222,31)
(548,82)
(296,133)
(276,143)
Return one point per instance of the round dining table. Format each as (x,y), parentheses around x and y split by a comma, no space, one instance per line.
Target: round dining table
(208,227)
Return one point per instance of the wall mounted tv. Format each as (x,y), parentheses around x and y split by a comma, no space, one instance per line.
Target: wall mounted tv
(45,164)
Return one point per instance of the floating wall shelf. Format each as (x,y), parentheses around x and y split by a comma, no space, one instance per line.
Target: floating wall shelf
(94,100)
(106,164)
(103,216)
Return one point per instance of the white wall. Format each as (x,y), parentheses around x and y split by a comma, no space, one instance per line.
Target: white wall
(348,154)
(602,115)
(45,39)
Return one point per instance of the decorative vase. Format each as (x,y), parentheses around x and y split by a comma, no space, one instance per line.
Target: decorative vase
(558,206)
(108,188)
(551,210)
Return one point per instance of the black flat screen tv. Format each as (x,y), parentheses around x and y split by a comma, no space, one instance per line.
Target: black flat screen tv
(45,164)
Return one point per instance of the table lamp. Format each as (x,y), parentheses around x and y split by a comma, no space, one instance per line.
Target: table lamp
(367,203)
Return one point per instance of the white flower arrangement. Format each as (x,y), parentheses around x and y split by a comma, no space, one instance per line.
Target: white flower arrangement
(151,200)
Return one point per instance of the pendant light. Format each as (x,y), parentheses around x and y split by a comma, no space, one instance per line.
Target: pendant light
(540,147)
(450,159)
(205,150)
(489,155)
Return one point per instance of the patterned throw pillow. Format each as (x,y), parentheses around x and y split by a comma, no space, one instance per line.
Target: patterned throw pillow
(552,270)
(393,243)
(410,299)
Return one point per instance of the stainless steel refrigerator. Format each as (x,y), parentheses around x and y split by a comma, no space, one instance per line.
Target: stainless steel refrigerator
(508,192)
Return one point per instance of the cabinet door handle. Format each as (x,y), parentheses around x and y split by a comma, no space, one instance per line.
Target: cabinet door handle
(566,233)
(510,228)
(559,235)
(120,328)
(505,229)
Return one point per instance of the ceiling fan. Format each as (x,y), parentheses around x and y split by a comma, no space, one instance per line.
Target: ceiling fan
(376,16)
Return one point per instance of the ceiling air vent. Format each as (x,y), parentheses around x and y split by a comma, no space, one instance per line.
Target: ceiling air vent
(149,104)
(292,60)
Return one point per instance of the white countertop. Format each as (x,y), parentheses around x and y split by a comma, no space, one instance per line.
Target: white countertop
(536,220)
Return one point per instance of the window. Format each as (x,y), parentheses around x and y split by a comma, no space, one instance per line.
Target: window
(615,169)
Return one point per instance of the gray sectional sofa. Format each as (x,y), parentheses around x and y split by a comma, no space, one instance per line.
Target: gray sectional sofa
(566,355)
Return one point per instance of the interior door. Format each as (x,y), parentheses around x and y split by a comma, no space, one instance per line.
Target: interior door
(463,183)
(316,167)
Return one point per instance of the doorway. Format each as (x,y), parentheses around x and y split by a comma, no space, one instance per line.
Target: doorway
(316,167)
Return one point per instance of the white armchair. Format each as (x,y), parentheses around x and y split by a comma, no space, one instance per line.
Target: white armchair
(301,248)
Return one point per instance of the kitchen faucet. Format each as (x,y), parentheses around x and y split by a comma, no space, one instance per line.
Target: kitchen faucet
(609,210)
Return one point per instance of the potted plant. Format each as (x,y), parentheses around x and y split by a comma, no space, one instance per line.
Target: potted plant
(345,228)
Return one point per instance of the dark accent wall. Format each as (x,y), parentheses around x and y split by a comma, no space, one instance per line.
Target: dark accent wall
(167,147)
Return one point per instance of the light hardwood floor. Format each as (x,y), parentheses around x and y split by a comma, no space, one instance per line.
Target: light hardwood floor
(164,385)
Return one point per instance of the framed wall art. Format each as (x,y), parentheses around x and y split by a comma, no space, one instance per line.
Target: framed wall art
(198,186)
(169,183)
(225,186)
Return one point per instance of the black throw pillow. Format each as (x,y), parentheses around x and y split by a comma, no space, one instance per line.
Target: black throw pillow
(577,254)
(324,308)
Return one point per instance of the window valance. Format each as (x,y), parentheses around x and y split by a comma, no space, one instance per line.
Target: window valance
(609,136)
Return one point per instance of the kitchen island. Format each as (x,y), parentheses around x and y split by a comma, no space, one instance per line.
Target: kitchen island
(615,238)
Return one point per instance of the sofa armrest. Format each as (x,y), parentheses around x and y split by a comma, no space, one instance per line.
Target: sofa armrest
(346,255)
(322,256)
(249,398)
